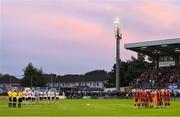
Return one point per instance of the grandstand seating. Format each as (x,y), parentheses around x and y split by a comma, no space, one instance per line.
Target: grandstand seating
(158,78)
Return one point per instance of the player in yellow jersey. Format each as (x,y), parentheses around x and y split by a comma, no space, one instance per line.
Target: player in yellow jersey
(155,99)
(20,96)
(14,98)
(10,98)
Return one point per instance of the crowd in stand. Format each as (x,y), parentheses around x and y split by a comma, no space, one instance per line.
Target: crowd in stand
(161,76)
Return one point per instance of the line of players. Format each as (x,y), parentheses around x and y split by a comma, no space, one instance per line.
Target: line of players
(36,95)
(152,98)
(17,97)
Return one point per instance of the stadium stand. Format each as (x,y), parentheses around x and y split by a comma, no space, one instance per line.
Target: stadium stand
(158,78)
(166,54)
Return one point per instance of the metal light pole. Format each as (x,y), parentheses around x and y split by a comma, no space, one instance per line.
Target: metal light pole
(117,37)
(31,82)
(10,82)
(52,81)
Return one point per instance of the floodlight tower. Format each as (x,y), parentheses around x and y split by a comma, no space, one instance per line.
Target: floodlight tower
(118,37)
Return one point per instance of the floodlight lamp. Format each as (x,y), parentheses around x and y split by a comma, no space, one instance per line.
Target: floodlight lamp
(116,28)
(116,21)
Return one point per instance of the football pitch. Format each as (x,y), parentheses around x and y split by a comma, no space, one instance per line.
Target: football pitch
(88,107)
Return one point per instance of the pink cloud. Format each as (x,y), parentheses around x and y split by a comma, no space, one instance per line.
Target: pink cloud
(57,27)
(160,15)
(54,25)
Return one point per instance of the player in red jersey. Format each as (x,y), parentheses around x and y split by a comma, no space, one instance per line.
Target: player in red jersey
(168,98)
(161,98)
(164,97)
(146,98)
(141,95)
(158,98)
(151,99)
(136,96)
(143,98)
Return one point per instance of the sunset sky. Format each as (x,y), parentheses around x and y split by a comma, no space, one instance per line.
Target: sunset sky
(76,36)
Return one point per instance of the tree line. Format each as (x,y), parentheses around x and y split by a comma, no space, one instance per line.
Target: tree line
(129,70)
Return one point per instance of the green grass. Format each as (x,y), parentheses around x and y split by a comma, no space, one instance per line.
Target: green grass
(80,107)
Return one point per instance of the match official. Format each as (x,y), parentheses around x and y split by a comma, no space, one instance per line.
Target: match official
(20,96)
(14,99)
(10,98)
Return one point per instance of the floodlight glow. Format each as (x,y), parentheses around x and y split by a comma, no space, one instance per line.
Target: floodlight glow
(164,45)
(177,50)
(143,47)
(116,21)
(117,31)
(156,51)
(116,25)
